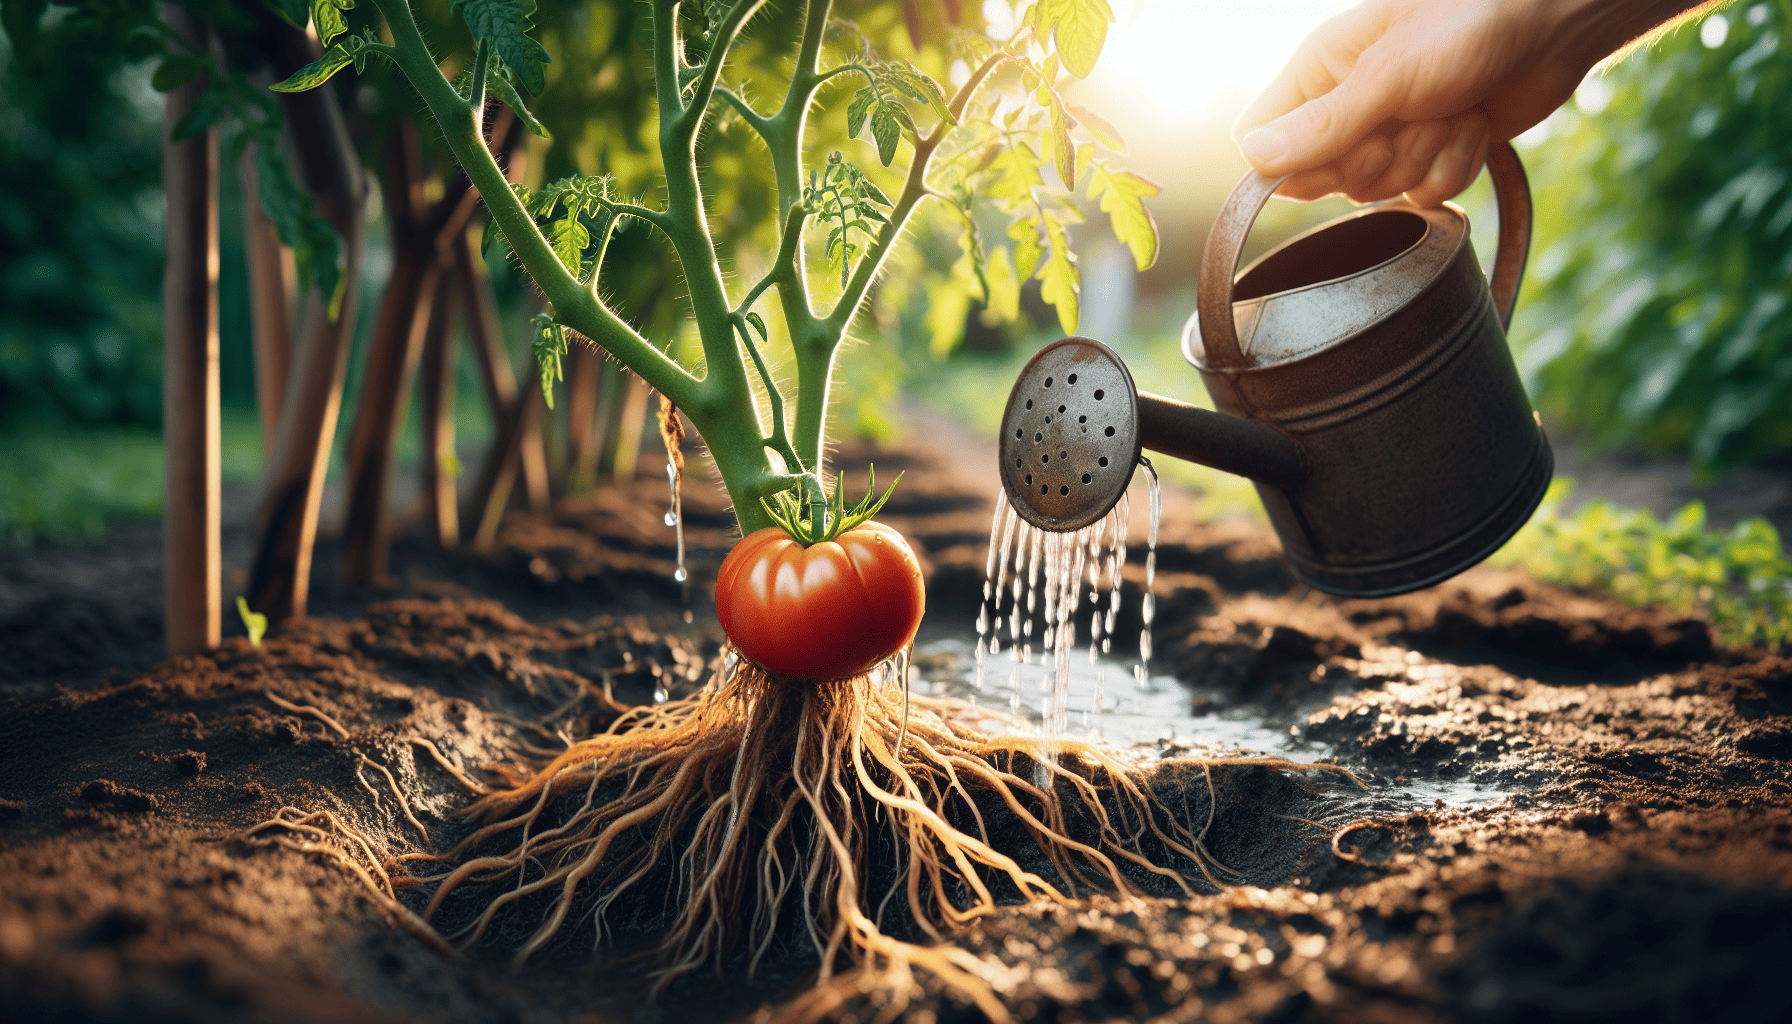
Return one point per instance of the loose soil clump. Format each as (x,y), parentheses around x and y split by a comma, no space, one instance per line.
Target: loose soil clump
(1575,810)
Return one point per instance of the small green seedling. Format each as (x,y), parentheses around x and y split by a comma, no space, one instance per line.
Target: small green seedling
(255,622)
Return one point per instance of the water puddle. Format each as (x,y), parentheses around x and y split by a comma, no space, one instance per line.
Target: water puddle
(1035,579)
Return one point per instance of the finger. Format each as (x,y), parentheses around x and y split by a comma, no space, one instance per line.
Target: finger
(1415,148)
(1366,163)
(1317,66)
(1310,185)
(1457,165)
(1328,126)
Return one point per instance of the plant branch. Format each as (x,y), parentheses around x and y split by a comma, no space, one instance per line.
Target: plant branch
(913,191)
(692,116)
(481,67)
(784,266)
(779,441)
(668,55)
(574,305)
(843,69)
(758,121)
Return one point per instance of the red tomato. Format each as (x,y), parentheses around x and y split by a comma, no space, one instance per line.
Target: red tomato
(826,611)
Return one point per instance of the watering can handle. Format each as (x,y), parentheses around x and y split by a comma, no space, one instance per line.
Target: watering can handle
(1219,260)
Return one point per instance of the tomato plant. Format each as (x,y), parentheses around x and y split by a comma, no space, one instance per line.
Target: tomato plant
(979,149)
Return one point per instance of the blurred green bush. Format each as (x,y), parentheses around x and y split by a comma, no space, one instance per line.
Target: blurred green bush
(80,237)
(1659,312)
(1739,580)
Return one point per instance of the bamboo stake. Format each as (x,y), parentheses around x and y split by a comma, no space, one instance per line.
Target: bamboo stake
(497,475)
(631,429)
(582,382)
(392,355)
(192,519)
(441,466)
(272,280)
(286,528)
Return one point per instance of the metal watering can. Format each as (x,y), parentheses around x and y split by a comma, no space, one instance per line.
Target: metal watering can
(1363,384)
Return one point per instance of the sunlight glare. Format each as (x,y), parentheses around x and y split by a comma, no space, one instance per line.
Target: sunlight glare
(1174,64)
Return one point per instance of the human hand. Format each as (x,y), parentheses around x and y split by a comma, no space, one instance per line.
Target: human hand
(1400,96)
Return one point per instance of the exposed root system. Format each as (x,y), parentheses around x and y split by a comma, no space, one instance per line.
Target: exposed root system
(843,811)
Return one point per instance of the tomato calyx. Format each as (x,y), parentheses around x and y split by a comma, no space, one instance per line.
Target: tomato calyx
(816,516)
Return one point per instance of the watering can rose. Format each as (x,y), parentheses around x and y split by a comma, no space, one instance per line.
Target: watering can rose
(827,610)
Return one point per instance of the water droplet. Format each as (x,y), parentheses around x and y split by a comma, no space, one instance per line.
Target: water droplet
(671,519)
(680,575)
(660,695)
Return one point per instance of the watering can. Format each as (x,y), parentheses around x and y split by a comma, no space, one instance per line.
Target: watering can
(1362,382)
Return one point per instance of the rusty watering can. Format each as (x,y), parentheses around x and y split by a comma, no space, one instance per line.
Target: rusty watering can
(1363,384)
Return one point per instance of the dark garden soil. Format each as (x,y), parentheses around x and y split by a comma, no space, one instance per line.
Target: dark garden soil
(1638,866)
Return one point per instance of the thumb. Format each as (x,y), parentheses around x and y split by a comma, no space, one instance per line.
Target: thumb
(1326,127)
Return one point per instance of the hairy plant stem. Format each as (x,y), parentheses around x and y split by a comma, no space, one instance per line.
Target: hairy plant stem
(722,403)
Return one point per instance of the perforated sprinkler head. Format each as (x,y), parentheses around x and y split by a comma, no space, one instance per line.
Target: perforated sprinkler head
(1070,435)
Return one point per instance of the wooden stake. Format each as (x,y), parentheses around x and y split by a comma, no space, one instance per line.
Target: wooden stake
(630,429)
(441,466)
(192,506)
(286,528)
(272,280)
(582,382)
(497,475)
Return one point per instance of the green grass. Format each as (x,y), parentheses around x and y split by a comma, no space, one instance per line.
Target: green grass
(67,482)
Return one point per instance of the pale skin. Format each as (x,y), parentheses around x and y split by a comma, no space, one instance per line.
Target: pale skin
(1405,96)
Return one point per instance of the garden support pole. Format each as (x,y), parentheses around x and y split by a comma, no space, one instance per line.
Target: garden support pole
(422,240)
(392,355)
(272,281)
(191,509)
(583,378)
(286,526)
(441,467)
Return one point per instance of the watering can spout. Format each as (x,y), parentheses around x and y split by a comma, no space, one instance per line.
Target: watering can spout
(1247,448)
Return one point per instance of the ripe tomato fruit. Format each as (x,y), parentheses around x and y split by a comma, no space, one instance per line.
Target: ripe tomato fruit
(826,611)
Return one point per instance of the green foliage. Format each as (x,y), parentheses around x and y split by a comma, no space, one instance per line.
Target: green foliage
(504,25)
(1740,580)
(843,197)
(548,346)
(351,50)
(826,516)
(80,229)
(1659,310)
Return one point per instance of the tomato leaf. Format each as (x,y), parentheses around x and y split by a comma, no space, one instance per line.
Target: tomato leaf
(1059,280)
(862,103)
(313,240)
(327,18)
(1063,151)
(1079,29)
(549,349)
(504,25)
(887,130)
(1123,200)
(317,72)
(568,236)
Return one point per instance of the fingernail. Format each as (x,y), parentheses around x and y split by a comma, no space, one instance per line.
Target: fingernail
(1372,163)
(1429,142)
(1266,145)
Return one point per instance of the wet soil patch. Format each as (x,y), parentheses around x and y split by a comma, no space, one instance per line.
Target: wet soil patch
(1573,809)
